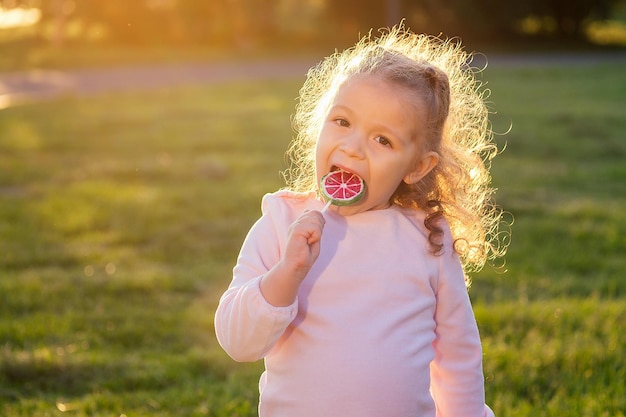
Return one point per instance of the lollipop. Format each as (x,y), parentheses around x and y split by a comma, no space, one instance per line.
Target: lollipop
(341,188)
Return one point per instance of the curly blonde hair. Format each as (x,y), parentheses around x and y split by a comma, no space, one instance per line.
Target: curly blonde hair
(437,71)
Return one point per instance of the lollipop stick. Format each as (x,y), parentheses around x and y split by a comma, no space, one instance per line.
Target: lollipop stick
(326,207)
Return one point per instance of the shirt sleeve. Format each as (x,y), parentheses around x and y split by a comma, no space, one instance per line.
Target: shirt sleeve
(457,382)
(246,325)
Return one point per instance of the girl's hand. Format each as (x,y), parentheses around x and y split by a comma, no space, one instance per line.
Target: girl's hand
(303,243)
(280,285)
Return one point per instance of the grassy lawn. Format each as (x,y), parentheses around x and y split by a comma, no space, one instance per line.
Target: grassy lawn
(121,217)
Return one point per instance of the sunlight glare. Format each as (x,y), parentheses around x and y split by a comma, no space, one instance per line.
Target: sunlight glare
(110,268)
(89,270)
(18,17)
(63,407)
(5,101)
(609,32)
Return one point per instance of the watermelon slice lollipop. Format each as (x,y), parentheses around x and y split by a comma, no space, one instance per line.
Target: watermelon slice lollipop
(342,188)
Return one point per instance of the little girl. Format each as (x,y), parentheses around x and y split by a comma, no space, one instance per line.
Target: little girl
(363,310)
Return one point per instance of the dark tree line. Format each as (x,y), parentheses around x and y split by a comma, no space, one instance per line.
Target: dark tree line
(241,21)
(561,18)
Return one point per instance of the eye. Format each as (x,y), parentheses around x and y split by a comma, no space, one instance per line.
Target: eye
(383,141)
(342,122)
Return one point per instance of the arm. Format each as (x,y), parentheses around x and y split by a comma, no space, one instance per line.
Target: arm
(261,300)
(457,382)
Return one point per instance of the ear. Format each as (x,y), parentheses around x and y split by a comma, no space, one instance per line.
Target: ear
(422,168)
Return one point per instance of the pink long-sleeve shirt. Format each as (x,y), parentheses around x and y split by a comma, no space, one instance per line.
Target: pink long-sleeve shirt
(380,326)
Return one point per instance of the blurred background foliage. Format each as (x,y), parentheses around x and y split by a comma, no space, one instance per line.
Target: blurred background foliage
(245,25)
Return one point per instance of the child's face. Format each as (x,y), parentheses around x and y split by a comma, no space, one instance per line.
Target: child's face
(374,129)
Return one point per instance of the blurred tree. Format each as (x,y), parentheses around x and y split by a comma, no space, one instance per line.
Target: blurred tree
(195,21)
(393,12)
(570,16)
(248,23)
(124,21)
(252,21)
(242,22)
(131,22)
(351,17)
(491,18)
(467,18)
(60,10)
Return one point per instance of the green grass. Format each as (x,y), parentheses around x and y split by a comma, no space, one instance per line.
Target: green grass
(553,324)
(121,217)
(24,54)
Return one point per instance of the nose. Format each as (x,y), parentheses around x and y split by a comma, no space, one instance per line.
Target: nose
(352,144)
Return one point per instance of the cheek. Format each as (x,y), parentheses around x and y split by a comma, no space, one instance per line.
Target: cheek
(322,135)
(322,146)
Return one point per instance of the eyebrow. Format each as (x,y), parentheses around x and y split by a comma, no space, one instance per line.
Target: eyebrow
(341,107)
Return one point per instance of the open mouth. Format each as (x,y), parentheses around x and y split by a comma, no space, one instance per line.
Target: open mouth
(336,168)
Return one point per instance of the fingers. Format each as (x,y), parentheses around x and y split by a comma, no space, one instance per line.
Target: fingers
(311,224)
(311,220)
(303,242)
